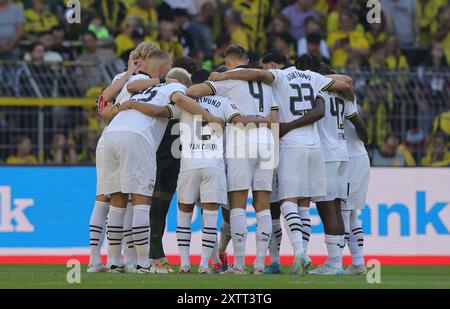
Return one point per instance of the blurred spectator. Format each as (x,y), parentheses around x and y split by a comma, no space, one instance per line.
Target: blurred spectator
(112,12)
(39,76)
(146,11)
(181,23)
(313,43)
(47,39)
(440,31)
(137,36)
(388,154)
(435,86)
(254,17)
(297,14)
(168,41)
(87,154)
(376,32)
(346,42)
(91,56)
(414,144)
(36,54)
(280,23)
(200,31)
(377,59)
(334,17)
(23,153)
(376,112)
(402,21)
(395,60)
(11,29)
(438,154)
(199,58)
(62,150)
(322,7)
(39,18)
(124,41)
(59,45)
(91,51)
(442,123)
(427,11)
(186,63)
(233,23)
(101,32)
(353,67)
(285,44)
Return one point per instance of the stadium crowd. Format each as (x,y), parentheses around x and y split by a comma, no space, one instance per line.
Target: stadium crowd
(399,66)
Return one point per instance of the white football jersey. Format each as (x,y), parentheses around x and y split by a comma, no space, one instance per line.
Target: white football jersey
(152,129)
(124,95)
(202,146)
(355,146)
(331,126)
(252,99)
(295,91)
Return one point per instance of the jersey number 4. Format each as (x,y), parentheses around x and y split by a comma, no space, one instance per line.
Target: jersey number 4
(301,98)
(257,95)
(337,109)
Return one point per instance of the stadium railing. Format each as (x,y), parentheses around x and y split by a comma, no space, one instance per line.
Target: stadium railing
(40,99)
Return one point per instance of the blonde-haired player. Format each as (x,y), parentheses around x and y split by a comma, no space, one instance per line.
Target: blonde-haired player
(147,115)
(115,93)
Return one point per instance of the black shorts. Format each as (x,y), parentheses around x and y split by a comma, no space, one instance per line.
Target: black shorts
(167,166)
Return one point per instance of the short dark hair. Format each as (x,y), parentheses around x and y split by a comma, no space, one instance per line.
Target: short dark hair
(34,45)
(221,68)
(285,37)
(310,19)
(200,76)
(313,38)
(236,51)
(275,56)
(308,62)
(91,33)
(186,63)
(325,69)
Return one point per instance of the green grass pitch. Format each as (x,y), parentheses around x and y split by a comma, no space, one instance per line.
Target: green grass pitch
(54,276)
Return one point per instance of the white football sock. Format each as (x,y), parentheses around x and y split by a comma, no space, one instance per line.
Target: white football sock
(129,251)
(115,234)
(263,234)
(356,241)
(335,248)
(275,241)
(97,232)
(305,216)
(225,236)
(209,235)
(346,218)
(141,234)
(293,225)
(184,236)
(238,220)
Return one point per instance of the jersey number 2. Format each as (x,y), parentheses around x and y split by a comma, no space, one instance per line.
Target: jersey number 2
(300,98)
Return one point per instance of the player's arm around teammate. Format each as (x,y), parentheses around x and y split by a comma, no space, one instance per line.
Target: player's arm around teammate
(314,114)
(340,84)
